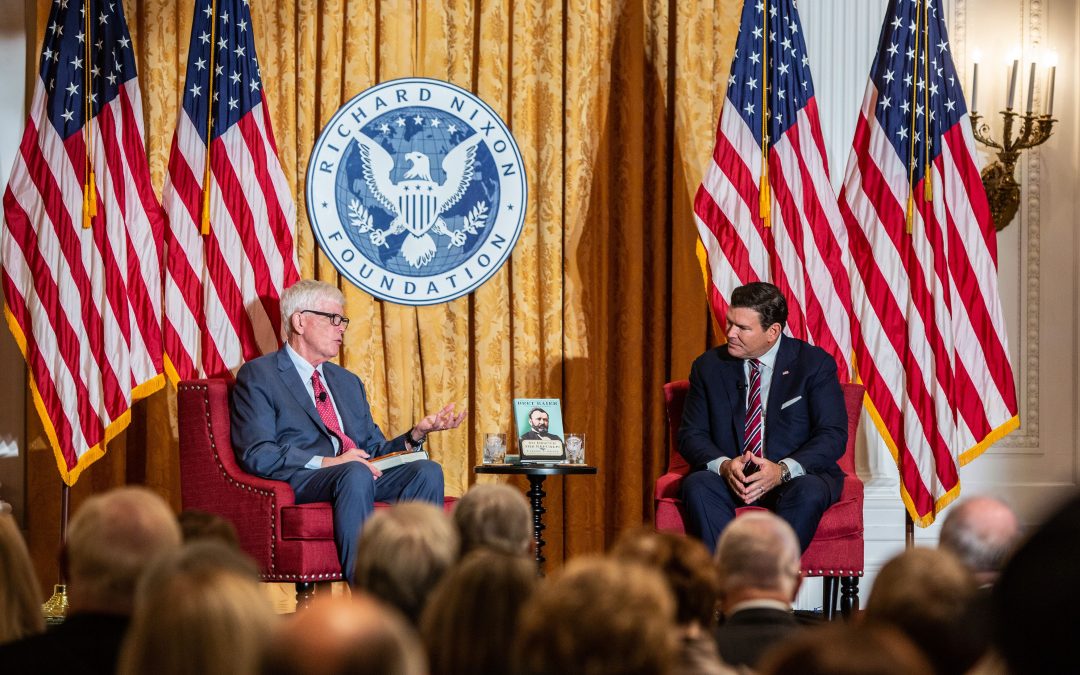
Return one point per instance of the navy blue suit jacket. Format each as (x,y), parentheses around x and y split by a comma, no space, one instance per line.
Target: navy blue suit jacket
(811,429)
(275,427)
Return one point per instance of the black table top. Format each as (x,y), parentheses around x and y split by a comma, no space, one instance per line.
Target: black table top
(537,469)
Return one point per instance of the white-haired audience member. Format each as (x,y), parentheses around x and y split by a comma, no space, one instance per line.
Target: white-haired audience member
(758,560)
(20,593)
(112,539)
(494,516)
(343,636)
(199,611)
(982,532)
(403,553)
(599,616)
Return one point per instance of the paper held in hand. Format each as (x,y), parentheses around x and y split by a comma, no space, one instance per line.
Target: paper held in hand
(384,462)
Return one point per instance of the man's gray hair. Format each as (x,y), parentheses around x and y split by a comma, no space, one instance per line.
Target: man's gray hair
(112,539)
(982,531)
(758,550)
(494,516)
(304,294)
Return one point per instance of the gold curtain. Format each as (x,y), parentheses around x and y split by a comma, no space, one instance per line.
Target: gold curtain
(614,104)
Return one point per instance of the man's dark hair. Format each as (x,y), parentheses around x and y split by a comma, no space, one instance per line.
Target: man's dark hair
(538,410)
(763,298)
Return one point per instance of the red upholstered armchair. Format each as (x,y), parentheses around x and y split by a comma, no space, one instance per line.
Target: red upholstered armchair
(836,551)
(290,542)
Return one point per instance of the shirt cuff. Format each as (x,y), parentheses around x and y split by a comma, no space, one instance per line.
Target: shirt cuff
(314,463)
(794,468)
(714,465)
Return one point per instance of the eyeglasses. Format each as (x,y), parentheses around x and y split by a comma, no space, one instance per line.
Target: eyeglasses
(335,319)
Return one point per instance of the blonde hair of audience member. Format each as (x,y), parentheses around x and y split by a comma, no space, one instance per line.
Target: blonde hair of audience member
(403,552)
(686,565)
(469,621)
(111,540)
(846,649)
(925,592)
(199,611)
(340,636)
(757,557)
(198,525)
(599,617)
(494,516)
(20,600)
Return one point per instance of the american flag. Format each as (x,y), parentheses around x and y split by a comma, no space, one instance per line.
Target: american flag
(82,237)
(230,256)
(930,342)
(790,232)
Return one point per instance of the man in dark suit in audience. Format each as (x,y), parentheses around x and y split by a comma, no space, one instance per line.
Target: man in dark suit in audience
(299,418)
(764,423)
(758,559)
(111,540)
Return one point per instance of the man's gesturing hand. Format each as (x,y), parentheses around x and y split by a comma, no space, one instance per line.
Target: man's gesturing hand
(441,421)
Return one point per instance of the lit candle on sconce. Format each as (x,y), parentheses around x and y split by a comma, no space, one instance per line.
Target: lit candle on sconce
(1031,89)
(1014,70)
(976,56)
(1052,61)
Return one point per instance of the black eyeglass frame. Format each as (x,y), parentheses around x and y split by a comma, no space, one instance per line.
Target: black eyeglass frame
(335,319)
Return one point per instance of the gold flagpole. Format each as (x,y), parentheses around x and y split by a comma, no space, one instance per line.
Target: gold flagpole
(764,199)
(205,220)
(89,186)
(928,185)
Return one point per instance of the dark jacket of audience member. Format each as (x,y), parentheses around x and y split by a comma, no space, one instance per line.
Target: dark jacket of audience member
(598,617)
(403,553)
(470,619)
(112,539)
(1037,598)
(20,594)
(199,611)
(926,593)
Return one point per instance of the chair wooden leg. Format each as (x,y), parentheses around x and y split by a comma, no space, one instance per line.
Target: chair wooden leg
(849,596)
(305,593)
(828,598)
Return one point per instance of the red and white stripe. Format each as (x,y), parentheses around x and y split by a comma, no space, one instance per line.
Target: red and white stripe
(221,290)
(805,250)
(84,304)
(930,343)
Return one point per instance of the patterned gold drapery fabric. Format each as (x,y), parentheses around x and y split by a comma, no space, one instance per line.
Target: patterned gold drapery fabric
(614,105)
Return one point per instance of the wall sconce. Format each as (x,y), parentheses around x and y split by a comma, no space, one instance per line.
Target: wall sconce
(998,178)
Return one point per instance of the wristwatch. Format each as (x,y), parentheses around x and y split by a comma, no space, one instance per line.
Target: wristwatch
(415,445)
(785,473)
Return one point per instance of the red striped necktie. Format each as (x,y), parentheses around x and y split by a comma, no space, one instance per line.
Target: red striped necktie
(752,439)
(326,412)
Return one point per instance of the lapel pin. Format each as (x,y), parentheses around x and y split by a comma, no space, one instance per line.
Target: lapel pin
(785,372)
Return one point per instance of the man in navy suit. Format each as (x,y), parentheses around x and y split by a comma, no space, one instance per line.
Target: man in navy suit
(800,434)
(299,418)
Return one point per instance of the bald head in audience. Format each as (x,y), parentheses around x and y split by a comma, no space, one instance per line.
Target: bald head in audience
(982,532)
(494,516)
(758,559)
(111,540)
(337,636)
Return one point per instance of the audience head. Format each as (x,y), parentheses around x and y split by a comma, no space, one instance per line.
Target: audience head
(199,525)
(758,556)
(686,565)
(305,294)
(339,636)
(470,620)
(403,553)
(598,617)
(926,593)
(20,599)
(199,611)
(494,516)
(982,532)
(1037,596)
(846,649)
(111,540)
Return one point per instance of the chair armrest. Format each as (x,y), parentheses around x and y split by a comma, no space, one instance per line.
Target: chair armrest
(669,485)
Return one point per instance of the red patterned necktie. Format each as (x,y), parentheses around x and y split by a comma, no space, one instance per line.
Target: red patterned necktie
(752,440)
(326,412)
